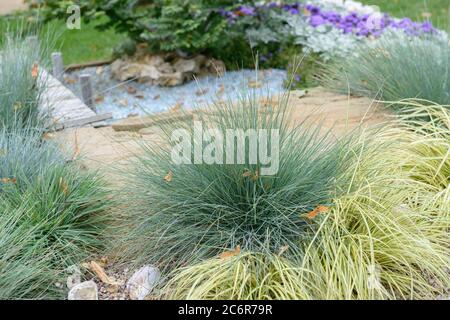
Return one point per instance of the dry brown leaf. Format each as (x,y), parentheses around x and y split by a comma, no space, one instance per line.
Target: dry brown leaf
(64,187)
(156,97)
(99,99)
(247,174)
(221,90)
(70,81)
(35,71)
(169,177)
(177,107)
(427,15)
(48,136)
(229,254)
(254,84)
(320,209)
(139,96)
(254,176)
(201,92)
(283,249)
(76,152)
(8,180)
(131,90)
(100,273)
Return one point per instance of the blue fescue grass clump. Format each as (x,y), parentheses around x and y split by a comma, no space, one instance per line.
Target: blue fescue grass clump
(52,215)
(22,83)
(393,68)
(189,212)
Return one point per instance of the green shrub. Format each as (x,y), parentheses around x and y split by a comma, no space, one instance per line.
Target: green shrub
(166,25)
(394,68)
(57,219)
(208,208)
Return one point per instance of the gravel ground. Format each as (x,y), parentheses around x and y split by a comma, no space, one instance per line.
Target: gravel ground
(133,98)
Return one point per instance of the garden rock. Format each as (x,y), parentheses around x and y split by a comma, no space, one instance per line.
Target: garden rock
(142,282)
(84,291)
(75,276)
(166,70)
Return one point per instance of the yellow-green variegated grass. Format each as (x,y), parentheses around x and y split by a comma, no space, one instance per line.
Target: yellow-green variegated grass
(386,238)
(248,276)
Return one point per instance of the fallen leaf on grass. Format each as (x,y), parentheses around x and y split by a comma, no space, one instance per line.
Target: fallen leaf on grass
(48,136)
(168,177)
(320,209)
(254,176)
(63,186)
(229,254)
(8,180)
(35,71)
(283,249)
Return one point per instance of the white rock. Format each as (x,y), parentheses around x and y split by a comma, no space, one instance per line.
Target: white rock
(87,290)
(142,282)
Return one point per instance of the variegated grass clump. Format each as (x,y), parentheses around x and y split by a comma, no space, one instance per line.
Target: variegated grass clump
(52,215)
(247,276)
(385,238)
(388,237)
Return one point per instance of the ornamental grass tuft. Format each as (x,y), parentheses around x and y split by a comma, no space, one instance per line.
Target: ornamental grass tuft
(22,82)
(393,68)
(179,214)
(52,215)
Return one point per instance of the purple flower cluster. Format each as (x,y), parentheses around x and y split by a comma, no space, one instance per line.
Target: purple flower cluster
(363,25)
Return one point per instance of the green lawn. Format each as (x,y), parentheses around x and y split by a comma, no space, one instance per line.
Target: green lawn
(87,44)
(415,9)
(78,46)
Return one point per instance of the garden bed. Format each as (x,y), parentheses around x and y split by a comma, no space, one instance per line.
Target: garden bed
(131,98)
(230,186)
